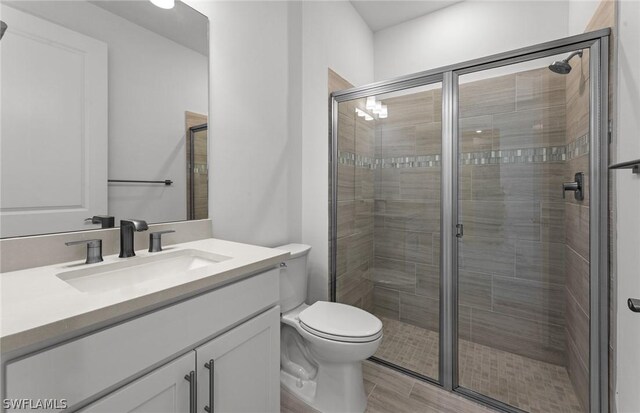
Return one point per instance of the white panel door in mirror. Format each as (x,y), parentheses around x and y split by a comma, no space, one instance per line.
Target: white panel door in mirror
(54,125)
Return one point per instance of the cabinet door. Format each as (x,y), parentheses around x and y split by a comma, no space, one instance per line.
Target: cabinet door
(164,390)
(245,368)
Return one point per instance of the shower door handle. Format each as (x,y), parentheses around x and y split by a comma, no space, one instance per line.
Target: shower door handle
(577,186)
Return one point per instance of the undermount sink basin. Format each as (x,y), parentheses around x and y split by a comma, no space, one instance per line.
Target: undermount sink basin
(137,270)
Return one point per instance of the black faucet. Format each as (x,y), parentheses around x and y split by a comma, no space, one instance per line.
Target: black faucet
(127,227)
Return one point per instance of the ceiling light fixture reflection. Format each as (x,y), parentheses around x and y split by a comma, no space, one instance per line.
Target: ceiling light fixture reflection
(361,113)
(371,103)
(164,4)
(383,112)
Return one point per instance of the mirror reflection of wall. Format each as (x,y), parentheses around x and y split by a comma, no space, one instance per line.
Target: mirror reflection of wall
(97,91)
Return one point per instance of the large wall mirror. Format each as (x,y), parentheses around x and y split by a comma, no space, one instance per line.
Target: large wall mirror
(103,113)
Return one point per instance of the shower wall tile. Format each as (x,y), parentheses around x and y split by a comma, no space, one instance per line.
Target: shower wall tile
(428,281)
(537,340)
(577,270)
(387,183)
(552,225)
(353,285)
(398,141)
(420,183)
(420,311)
(578,113)
(507,219)
(475,290)
(537,89)
(409,109)
(364,137)
(578,329)
(465,181)
(360,250)
(386,303)
(394,274)
(437,104)
(419,247)
(577,97)
(541,261)
(530,128)
(346,218)
(578,374)
(363,185)
(346,182)
(412,215)
(428,138)
(364,216)
(346,131)
(530,300)
(464,322)
(476,133)
(577,222)
(518,182)
(390,243)
(488,97)
(487,255)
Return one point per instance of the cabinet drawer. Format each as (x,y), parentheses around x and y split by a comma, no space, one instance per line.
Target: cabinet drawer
(101,361)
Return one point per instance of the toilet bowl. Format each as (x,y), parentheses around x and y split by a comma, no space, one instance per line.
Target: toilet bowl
(323,344)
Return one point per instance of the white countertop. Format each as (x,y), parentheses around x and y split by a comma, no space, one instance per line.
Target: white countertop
(38,309)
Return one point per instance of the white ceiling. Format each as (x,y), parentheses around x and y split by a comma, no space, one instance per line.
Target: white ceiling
(382,14)
(182,24)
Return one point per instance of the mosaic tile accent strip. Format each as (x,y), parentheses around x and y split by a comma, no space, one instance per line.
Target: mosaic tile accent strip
(579,147)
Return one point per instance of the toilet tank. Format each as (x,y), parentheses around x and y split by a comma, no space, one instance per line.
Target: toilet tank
(293,277)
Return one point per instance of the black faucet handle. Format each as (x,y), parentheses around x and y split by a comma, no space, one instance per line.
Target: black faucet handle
(155,240)
(94,249)
(106,221)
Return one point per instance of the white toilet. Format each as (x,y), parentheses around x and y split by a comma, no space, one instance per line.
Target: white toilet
(322,345)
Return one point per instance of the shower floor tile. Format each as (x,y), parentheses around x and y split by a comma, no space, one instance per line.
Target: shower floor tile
(528,384)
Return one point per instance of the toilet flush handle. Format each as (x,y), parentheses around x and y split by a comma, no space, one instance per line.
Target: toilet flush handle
(283,265)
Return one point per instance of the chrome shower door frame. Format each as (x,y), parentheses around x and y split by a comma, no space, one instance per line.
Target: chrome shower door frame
(598,44)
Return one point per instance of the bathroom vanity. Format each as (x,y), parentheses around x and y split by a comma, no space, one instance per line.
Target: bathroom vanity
(192,328)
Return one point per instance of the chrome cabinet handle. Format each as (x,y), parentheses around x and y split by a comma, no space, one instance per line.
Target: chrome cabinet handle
(193,391)
(210,366)
(634,304)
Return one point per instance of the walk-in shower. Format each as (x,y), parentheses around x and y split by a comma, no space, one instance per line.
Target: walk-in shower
(449,222)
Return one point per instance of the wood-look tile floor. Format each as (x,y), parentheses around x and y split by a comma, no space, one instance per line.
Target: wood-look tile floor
(391,392)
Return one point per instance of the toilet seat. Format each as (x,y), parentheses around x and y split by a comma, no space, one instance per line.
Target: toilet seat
(340,322)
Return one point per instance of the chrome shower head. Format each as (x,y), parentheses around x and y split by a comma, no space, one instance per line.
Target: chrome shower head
(562,66)
(3,28)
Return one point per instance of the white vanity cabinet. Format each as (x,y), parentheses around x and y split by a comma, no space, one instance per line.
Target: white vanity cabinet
(164,390)
(140,365)
(236,370)
(245,376)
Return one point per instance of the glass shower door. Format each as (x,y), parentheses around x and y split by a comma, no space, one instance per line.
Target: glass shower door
(388,216)
(523,260)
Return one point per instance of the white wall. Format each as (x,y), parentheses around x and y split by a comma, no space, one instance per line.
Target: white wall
(333,36)
(580,13)
(152,82)
(465,31)
(628,205)
(254,184)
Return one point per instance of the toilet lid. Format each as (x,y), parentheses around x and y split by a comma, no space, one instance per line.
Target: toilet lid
(340,322)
